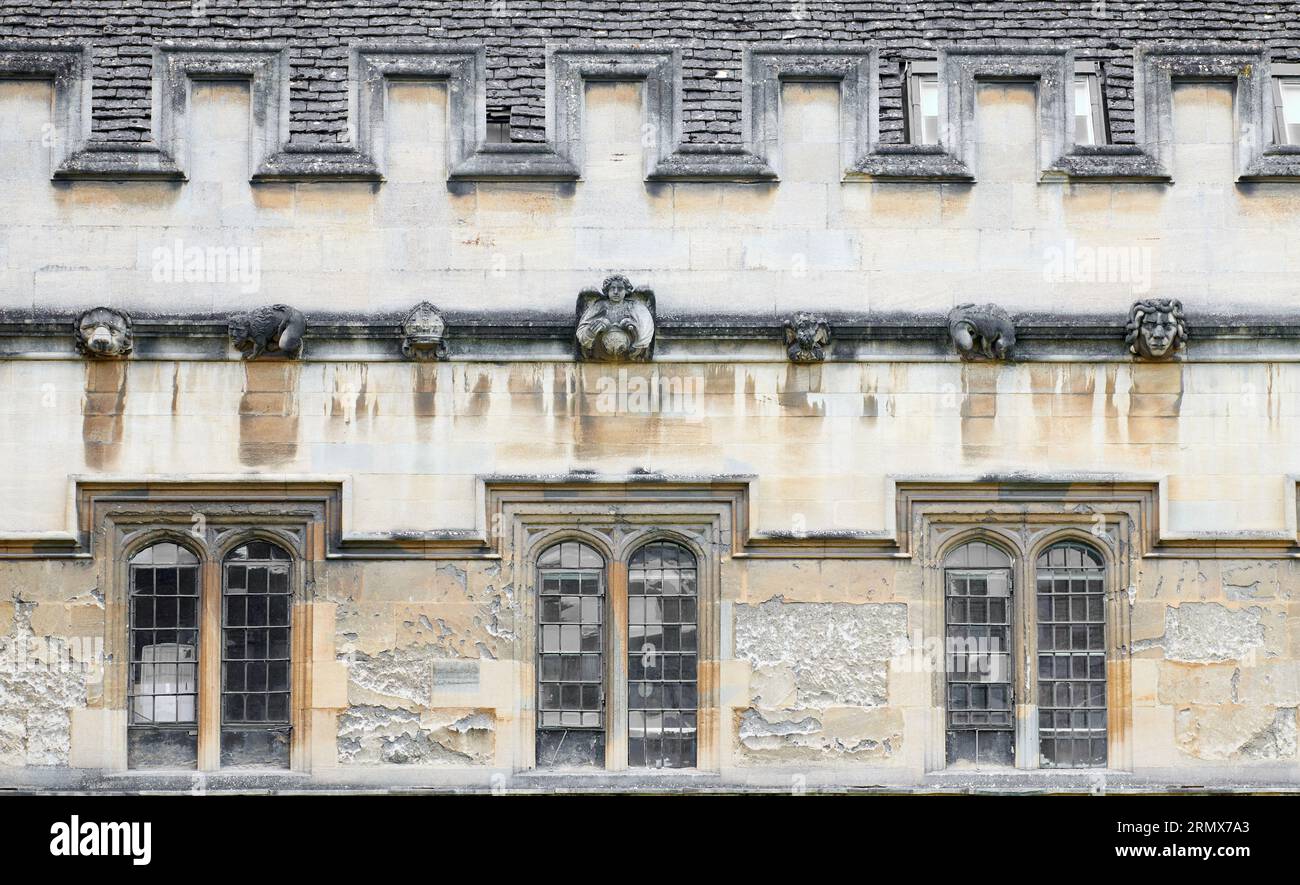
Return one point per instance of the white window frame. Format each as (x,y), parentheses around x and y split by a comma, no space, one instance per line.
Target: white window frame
(1290,75)
(1088,71)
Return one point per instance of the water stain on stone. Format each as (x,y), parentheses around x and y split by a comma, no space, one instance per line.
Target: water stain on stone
(102,412)
(268,413)
(424,393)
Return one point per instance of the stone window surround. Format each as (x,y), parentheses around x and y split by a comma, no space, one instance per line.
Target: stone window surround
(616,521)
(856,71)
(210,529)
(1024,523)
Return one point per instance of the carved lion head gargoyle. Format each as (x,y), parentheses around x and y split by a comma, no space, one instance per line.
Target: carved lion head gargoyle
(806,338)
(1156,328)
(103,333)
(616,324)
(424,333)
(982,331)
(275,330)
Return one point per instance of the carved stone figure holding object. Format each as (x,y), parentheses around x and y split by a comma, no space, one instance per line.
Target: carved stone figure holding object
(1156,328)
(103,333)
(617,323)
(424,333)
(982,331)
(276,330)
(806,338)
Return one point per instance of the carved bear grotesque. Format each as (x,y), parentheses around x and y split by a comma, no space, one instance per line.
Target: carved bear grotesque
(424,333)
(806,338)
(982,331)
(277,329)
(103,333)
(1156,328)
(617,323)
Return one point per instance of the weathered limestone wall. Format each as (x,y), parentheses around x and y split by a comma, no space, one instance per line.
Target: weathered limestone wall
(809,241)
(816,674)
(821,440)
(822,673)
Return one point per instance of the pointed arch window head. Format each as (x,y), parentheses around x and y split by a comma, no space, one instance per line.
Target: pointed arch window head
(162,688)
(571,656)
(1071,615)
(663,656)
(256,621)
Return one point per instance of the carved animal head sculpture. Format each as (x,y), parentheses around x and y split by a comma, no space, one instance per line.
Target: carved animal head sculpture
(276,330)
(982,331)
(1156,328)
(424,333)
(806,338)
(617,323)
(103,333)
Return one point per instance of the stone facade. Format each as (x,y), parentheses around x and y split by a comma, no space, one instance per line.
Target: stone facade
(820,495)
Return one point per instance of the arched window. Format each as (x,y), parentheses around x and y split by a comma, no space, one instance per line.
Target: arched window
(164,638)
(571,656)
(978,611)
(663,655)
(1071,579)
(255,624)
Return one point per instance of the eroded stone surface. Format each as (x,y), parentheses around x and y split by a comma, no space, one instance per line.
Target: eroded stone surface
(793,736)
(40,682)
(1207,631)
(838,653)
(1236,732)
(369,735)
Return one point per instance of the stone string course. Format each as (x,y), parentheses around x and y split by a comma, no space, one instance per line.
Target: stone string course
(712,36)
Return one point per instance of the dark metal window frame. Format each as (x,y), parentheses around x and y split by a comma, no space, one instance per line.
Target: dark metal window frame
(993,735)
(1070,628)
(602,653)
(268,696)
(669,674)
(617,671)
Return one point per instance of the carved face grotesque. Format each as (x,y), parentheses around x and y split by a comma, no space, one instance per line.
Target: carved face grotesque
(103,332)
(1156,328)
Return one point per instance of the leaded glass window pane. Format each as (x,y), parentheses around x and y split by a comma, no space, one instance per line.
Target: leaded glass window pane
(663,656)
(255,624)
(978,611)
(570,656)
(1071,583)
(164,640)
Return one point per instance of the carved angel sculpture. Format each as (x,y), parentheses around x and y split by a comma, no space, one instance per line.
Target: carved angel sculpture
(617,323)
